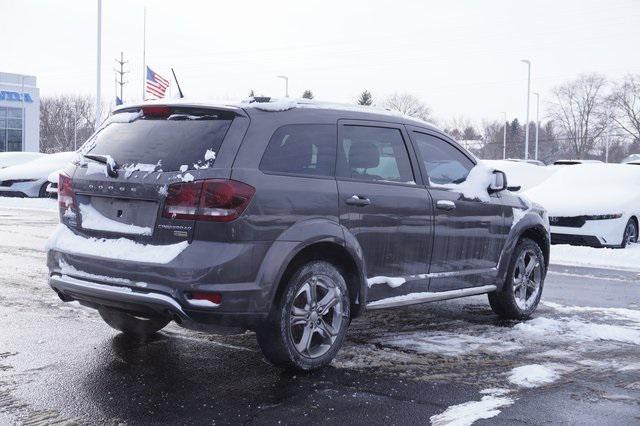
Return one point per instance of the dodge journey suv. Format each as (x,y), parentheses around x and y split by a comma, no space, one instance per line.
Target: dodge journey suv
(286,218)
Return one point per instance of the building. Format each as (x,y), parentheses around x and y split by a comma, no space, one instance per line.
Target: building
(19,113)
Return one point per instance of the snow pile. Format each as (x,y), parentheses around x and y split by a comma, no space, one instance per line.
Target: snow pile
(274,106)
(210,155)
(139,167)
(522,174)
(392,282)
(475,186)
(63,239)
(446,343)
(626,259)
(124,117)
(541,328)
(533,375)
(93,219)
(467,413)
(589,189)
(66,269)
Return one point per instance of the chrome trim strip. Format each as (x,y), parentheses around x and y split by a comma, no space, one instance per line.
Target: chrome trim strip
(112,292)
(415,298)
(461,273)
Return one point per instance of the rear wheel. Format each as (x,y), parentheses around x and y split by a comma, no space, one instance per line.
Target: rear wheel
(521,292)
(630,233)
(309,321)
(130,324)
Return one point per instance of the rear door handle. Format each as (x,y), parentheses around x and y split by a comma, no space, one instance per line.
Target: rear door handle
(445,205)
(358,200)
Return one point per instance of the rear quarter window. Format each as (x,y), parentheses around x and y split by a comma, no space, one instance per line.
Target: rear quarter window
(301,149)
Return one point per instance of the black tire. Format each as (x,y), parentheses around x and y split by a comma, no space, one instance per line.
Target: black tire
(132,325)
(42,193)
(630,234)
(277,336)
(504,302)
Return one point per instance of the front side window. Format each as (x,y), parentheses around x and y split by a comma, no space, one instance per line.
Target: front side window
(302,149)
(374,153)
(443,162)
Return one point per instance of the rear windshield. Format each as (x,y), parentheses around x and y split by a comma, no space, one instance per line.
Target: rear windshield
(171,142)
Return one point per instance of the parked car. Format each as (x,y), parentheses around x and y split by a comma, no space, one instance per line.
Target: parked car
(633,158)
(574,162)
(289,219)
(529,161)
(30,179)
(14,158)
(522,175)
(592,204)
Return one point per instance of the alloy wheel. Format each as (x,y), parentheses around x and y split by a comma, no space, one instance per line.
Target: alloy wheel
(316,316)
(527,277)
(630,233)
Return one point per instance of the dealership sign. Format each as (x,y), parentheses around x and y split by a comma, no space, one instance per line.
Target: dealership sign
(14,96)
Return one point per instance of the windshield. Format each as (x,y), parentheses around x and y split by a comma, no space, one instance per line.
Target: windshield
(169,142)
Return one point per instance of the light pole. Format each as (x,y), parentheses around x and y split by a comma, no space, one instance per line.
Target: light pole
(537,120)
(98,65)
(504,137)
(286,85)
(526,138)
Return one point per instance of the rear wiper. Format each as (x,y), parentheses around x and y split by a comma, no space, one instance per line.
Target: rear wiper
(106,160)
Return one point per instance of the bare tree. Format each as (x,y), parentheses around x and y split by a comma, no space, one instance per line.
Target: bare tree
(65,119)
(580,111)
(407,104)
(625,105)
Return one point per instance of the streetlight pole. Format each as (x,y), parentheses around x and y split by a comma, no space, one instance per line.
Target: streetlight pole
(537,120)
(526,139)
(98,66)
(504,137)
(286,85)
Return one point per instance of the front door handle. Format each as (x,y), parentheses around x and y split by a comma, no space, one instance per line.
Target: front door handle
(445,205)
(358,200)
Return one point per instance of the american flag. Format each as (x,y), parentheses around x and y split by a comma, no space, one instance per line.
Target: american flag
(156,85)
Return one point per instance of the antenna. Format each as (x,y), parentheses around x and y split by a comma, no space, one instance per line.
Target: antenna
(177,83)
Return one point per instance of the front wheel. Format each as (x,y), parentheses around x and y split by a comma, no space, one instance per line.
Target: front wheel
(309,320)
(630,233)
(521,292)
(130,324)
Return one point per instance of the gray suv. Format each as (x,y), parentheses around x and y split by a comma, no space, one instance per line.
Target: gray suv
(288,219)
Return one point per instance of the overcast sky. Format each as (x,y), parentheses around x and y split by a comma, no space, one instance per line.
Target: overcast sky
(462,58)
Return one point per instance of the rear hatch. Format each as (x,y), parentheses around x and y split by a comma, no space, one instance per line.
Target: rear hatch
(129,169)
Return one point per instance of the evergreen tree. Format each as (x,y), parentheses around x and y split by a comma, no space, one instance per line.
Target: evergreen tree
(252,94)
(308,94)
(365,98)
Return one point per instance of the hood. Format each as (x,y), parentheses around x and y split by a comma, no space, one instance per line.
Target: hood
(39,168)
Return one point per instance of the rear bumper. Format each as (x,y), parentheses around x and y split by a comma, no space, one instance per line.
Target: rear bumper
(150,303)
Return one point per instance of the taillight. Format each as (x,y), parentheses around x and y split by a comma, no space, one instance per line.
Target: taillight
(159,111)
(217,200)
(66,196)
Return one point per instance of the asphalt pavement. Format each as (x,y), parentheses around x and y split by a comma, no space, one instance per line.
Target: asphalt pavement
(59,363)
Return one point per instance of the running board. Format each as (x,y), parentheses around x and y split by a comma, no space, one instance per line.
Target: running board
(415,298)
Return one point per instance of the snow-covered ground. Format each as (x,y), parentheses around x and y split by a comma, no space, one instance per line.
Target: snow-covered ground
(625,259)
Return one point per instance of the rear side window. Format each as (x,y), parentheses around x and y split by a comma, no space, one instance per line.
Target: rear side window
(173,141)
(443,162)
(302,149)
(374,153)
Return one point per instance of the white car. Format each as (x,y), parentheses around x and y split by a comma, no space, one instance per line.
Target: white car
(591,204)
(30,179)
(8,159)
(521,175)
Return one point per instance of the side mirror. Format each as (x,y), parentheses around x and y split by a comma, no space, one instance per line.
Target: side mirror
(499,182)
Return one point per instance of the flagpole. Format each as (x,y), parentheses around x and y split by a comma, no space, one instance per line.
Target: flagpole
(144,50)
(98,66)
